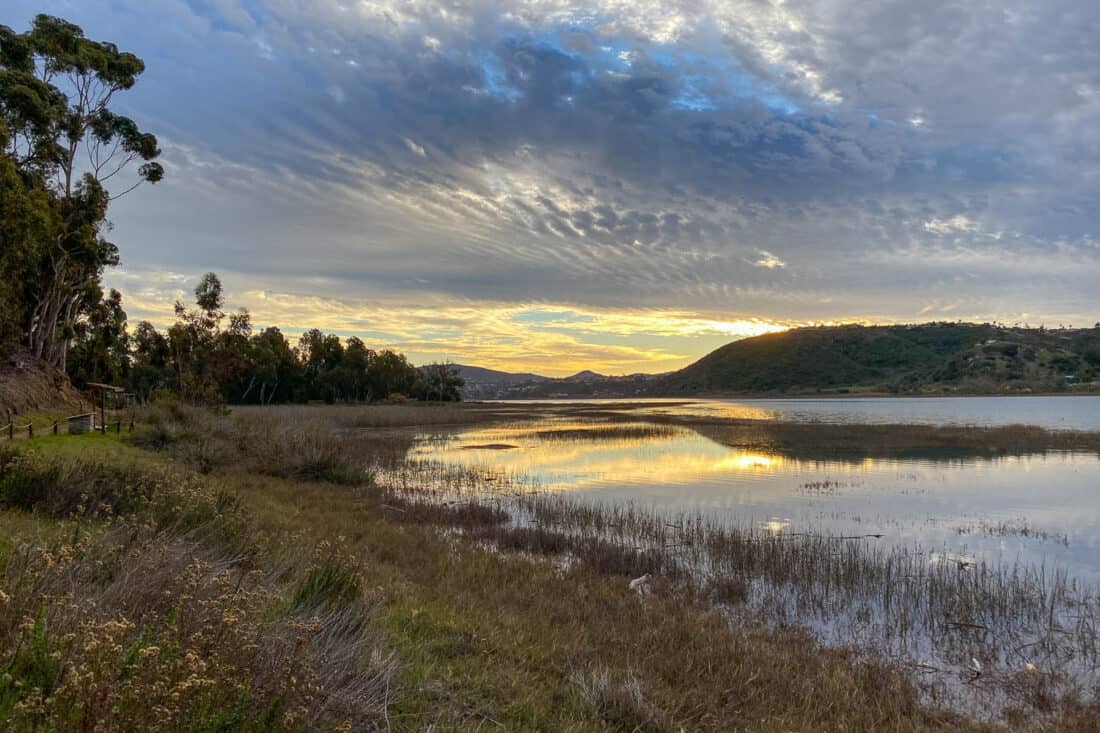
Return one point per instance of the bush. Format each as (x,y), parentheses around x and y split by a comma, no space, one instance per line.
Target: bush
(96,489)
(308,450)
(153,621)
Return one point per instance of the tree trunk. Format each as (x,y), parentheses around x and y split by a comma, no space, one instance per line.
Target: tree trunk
(251,384)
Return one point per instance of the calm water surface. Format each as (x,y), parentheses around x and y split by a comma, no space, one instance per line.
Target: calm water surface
(1038,508)
(1069,412)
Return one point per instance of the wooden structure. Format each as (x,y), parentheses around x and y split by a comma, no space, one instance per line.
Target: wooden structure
(80,424)
(101,391)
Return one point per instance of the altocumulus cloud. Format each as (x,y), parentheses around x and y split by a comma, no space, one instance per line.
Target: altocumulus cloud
(699,162)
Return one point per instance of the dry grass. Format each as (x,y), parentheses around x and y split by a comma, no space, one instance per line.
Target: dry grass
(895,602)
(511,610)
(255,442)
(403,415)
(163,617)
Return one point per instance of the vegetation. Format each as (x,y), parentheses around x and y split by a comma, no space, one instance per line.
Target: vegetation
(63,145)
(210,357)
(214,622)
(272,569)
(934,357)
(138,603)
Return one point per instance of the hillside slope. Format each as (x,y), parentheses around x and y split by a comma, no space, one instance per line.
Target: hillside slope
(934,357)
(27,384)
(481,375)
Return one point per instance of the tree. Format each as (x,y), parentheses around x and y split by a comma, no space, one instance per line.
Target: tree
(275,366)
(193,340)
(27,222)
(150,368)
(321,356)
(357,361)
(439,382)
(101,346)
(233,365)
(65,145)
(391,373)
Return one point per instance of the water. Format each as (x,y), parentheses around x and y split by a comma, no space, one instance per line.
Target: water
(1067,412)
(1040,508)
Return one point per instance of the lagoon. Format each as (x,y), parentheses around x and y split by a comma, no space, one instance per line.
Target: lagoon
(1038,506)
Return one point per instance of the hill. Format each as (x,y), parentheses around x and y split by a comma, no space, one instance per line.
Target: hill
(933,357)
(481,375)
(482,384)
(585,376)
(28,384)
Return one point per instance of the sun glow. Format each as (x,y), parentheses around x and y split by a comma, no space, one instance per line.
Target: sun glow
(547,338)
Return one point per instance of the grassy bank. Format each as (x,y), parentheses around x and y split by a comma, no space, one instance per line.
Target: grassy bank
(250,572)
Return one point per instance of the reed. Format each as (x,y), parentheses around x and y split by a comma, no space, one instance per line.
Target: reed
(903,602)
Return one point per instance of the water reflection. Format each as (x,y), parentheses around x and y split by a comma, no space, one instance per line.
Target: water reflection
(1056,412)
(973,501)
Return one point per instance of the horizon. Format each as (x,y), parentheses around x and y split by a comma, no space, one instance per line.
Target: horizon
(551,187)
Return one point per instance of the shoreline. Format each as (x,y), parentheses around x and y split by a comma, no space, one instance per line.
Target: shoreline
(782,396)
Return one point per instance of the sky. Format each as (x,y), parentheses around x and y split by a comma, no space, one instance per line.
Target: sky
(617,185)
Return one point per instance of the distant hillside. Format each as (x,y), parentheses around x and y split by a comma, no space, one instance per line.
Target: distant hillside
(934,357)
(484,384)
(480,375)
(585,376)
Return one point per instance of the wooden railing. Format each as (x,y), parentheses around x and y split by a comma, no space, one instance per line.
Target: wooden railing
(11,428)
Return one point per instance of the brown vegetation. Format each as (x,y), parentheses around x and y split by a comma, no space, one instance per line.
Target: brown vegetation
(28,384)
(410,599)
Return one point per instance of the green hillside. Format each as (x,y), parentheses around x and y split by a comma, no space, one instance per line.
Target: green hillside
(933,357)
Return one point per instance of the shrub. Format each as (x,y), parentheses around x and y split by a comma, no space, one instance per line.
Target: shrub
(329,585)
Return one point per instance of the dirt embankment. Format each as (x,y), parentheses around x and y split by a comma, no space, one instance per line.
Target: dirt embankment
(28,384)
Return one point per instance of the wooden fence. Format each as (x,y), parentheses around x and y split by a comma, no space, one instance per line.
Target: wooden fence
(12,431)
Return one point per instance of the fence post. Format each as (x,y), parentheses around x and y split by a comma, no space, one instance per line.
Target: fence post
(55,427)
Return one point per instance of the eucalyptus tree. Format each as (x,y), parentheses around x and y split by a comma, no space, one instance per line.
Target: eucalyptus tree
(63,145)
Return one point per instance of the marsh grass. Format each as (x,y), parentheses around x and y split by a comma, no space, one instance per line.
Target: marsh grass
(605,432)
(383,416)
(854,442)
(906,603)
(1019,527)
(455,610)
(263,443)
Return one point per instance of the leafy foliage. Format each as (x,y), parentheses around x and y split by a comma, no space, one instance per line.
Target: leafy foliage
(62,147)
(209,356)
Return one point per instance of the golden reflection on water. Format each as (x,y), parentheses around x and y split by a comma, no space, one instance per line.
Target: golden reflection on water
(775,525)
(590,454)
(726,410)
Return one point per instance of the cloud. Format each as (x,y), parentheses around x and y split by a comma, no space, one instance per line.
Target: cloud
(790,162)
(957,223)
(768,260)
(552,338)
